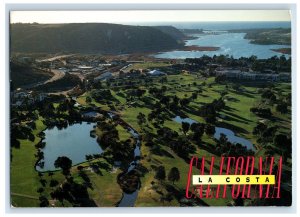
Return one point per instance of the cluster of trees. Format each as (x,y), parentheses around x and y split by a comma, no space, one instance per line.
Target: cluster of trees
(110,140)
(180,144)
(224,147)
(102,95)
(173,175)
(284,145)
(139,92)
(65,108)
(264,133)
(275,63)
(74,193)
(141,119)
(41,190)
(209,110)
(197,129)
(170,102)
(19,131)
(262,112)
(68,190)
(271,135)
(270,97)
(64,163)
(22,126)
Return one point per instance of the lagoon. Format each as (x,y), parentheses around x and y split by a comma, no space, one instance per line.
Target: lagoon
(232,44)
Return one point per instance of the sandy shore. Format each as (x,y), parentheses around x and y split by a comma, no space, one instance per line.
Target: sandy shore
(199,48)
(283,50)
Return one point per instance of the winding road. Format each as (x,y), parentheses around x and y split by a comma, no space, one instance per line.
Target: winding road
(58,74)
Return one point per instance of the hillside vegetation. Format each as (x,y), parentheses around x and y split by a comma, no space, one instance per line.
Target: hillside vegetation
(22,74)
(92,38)
(268,36)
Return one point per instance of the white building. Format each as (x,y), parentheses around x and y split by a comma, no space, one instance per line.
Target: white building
(156,73)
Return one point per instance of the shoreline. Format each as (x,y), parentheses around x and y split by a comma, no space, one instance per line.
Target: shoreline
(283,50)
(198,48)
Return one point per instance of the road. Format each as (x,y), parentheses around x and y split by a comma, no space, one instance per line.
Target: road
(58,74)
(55,58)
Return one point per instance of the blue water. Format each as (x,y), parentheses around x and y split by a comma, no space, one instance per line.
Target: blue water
(128,200)
(232,44)
(232,138)
(73,142)
(179,119)
(218,130)
(90,114)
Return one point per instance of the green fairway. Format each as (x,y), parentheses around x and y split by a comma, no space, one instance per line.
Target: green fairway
(104,190)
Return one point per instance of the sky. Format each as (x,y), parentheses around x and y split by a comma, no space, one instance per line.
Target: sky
(127,17)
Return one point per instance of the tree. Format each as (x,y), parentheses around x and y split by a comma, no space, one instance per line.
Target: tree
(198,130)
(64,163)
(58,194)
(185,127)
(50,174)
(220,79)
(223,139)
(141,118)
(88,99)
(194,95)
(282,108)
(184,102)
(174,175)
(259,128)
(283,142)
(40,190)
(160,173)
(43,201)
(210,129)
(53,183)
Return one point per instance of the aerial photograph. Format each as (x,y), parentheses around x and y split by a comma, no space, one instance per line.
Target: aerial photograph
(122,108)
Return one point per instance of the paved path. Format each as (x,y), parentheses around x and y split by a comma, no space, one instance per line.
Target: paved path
(58,74)
(24,195)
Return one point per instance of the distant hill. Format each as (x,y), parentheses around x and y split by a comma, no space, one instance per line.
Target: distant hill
(279,36)
(92,38)
(22,74)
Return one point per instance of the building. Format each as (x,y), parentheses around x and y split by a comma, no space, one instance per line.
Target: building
(85,67)
(104,76)
(255,76)
(20,97)
(156,73)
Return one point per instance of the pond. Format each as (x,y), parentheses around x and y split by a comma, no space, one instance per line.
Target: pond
(218,130)
(90,114)
(232,44)
(73,142)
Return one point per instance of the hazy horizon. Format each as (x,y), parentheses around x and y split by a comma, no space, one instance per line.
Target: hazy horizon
(136,17)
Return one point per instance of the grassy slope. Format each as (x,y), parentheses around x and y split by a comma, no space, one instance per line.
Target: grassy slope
(24,178)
